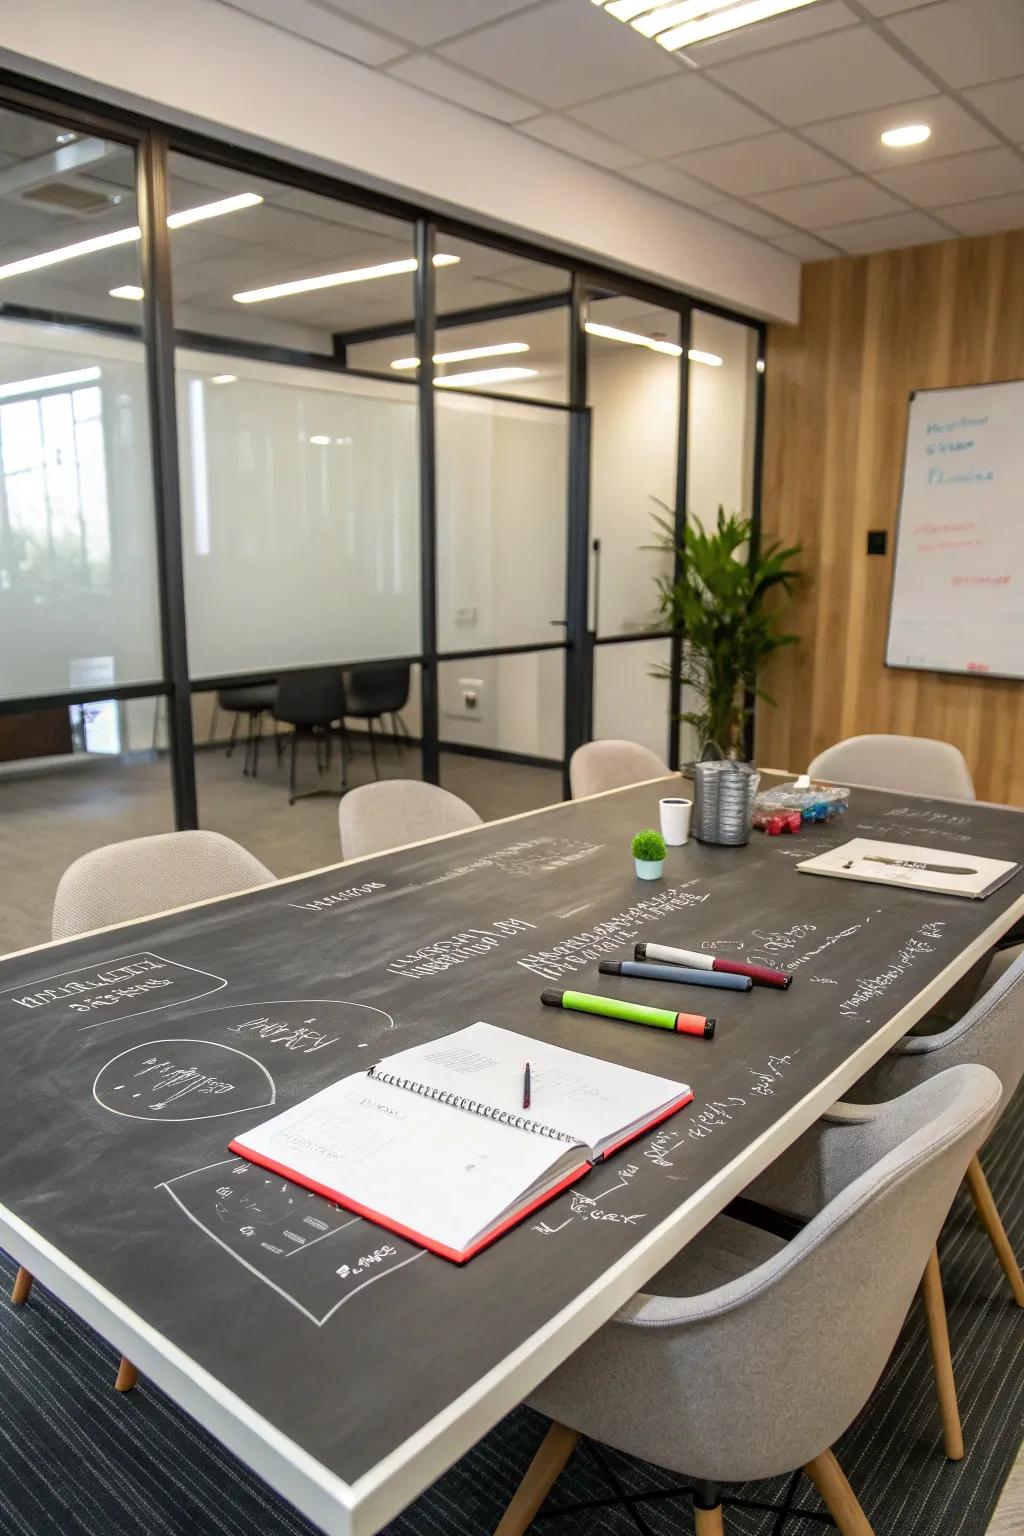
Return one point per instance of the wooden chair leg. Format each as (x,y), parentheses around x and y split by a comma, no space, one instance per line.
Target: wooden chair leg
(127,1376)
(991,1220)
(22,1286)
(843,1505)
(541,1475)
(708,1522)
(942,1359)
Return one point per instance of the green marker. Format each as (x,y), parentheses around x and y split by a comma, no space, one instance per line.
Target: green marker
(631,1013)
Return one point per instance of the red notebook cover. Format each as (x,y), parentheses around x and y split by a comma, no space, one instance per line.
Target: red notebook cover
(457,1256)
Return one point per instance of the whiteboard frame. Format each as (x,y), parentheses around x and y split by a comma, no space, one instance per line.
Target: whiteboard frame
(902,666)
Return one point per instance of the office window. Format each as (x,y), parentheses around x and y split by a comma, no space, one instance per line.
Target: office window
(78,574)
(720,455)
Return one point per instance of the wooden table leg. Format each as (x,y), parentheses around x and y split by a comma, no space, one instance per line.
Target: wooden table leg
(127,1375)
(942,1359)
(541,1475)
(986,1208)
(22,1286)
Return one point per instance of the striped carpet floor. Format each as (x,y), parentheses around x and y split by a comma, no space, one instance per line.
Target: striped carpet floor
(77,1459)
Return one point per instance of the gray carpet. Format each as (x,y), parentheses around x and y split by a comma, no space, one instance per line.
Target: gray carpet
(77,1459)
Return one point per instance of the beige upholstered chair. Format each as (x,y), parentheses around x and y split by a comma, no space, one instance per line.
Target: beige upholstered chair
(913,763)
(747,1356)
(603,765)
(147,875)
(393,812)
(140,878)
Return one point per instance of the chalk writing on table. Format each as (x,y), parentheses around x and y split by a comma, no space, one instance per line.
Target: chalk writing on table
(530,856)
(918,944)
(182,1079)
(888,829)
(339,898)
(607,937)
(923,813)
(311,1252)
(441,955)
(585,1203)
(299,1026)
(117,989)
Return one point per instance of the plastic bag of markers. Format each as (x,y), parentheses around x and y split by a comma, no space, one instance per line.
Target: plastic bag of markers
(785,808)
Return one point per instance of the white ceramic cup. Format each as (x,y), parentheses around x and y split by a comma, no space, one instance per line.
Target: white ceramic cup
(675,820)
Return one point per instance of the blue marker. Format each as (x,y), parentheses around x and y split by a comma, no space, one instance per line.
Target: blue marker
(646,971)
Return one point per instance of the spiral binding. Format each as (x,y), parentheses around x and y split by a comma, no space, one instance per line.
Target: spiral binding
(473,1106)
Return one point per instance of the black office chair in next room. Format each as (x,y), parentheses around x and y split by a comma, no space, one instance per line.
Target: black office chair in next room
(254,700)
(373,692)
(311,701)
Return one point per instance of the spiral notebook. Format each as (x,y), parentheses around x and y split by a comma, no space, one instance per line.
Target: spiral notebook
(433,1142)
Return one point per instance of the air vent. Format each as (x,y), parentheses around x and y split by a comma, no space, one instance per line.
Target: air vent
(67,196)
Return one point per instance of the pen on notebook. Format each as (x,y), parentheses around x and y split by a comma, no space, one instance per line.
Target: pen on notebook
(931,869)
(526,1087)
(760,975)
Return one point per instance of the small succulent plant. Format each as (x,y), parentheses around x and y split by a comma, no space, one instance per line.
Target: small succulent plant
(649,846)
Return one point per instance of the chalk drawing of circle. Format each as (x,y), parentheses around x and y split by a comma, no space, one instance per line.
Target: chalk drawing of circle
(347,1024)
(182,1079)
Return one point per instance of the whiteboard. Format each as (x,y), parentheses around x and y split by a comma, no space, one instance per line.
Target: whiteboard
(958,581)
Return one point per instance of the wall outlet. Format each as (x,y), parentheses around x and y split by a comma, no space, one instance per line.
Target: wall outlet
(467,699)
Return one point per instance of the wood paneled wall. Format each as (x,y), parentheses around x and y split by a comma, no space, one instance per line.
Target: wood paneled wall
(873,328)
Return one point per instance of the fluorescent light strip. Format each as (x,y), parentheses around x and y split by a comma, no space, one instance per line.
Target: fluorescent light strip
(127,291)
(903,138)
(50,381)
(336,279)
(224,378)
(127,236)
(674,15)
(320,440)
(499,349)
(625,10)
(712,359)
(727,21)
(484,376)
(631,338)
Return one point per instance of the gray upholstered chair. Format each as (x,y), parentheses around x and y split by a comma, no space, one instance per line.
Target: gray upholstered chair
(146,875)
(140,878)
(603,765)
(393,812)
(913,763)
(747,1356)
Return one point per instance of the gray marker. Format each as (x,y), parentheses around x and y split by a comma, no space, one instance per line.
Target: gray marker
(648,972)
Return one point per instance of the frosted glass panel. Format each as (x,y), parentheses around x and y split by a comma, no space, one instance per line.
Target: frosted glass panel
(78,575)
(630,703)
(720,456)
(502,487)
(634,397)
(300,513)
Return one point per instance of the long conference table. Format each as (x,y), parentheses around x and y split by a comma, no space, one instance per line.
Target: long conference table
(348,1367)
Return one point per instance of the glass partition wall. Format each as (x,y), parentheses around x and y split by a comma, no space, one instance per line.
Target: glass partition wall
(223,458)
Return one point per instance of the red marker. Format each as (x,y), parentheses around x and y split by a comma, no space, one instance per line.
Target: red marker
(759,974)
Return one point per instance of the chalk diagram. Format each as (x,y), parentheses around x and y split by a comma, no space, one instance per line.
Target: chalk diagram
(270,1226)
(302,1026)
(182,1080)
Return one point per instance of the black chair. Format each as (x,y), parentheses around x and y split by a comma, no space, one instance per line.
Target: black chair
(311,701)
(254,700)
(373,692)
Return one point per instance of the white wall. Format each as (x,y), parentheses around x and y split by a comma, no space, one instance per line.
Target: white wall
(205,65)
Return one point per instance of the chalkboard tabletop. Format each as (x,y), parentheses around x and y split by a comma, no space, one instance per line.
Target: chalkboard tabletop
(347,1366)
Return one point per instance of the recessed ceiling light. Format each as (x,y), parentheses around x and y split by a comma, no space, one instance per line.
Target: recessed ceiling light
(678,23)
(712,359)
(127,291)
(484,376)
(126,236)
(633,339)
(335,279)
(499,349)
(224,378)
(320,440)
(902,138)
(67,137)
(49,381)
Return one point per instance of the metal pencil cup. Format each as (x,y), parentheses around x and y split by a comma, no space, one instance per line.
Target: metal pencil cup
(723,801)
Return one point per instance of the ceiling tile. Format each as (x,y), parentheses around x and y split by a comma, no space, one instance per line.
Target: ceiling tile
(890,7)
(579,141)
(804,246)
(820,17)
(330,30)
(760,165)
(986,215)
(444,80)
(686,112)
(828,202)
(1003,105)
(427,21)
(898,229)
(566,52)
(744,217)
(858,138)
(840,72)
(983,173)
(966,41)
(662,178)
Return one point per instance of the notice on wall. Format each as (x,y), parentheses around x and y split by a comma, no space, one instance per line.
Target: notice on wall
(958,582)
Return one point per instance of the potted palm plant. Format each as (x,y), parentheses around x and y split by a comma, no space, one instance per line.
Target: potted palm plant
(718,602)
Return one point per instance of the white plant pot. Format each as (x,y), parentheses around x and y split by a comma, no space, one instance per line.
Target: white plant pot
(649,869)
